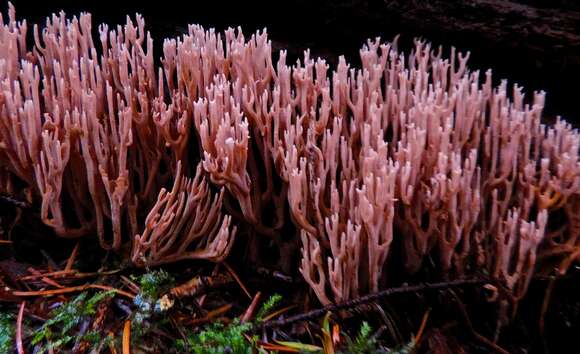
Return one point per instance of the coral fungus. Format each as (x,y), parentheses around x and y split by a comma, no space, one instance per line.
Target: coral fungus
(413,151)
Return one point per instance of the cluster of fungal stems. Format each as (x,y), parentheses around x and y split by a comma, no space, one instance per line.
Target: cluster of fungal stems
(410,151)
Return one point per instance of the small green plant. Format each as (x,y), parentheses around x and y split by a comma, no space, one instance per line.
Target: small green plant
(57,331)
(363,343)
(6,333)
(218,339)
(268,306)
(405,349)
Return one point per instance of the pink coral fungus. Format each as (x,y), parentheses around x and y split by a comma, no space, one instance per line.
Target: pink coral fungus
(416,152)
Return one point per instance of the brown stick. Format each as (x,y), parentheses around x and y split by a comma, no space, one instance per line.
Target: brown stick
(371,298)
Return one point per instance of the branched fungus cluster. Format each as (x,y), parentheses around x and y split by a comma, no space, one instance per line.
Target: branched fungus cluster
(415,152)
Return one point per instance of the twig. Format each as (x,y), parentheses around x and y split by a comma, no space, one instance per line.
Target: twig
(370,298)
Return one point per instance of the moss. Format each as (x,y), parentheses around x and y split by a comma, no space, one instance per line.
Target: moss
(153,283)
(58,331)
(233,338)
(218,338)
(7,332)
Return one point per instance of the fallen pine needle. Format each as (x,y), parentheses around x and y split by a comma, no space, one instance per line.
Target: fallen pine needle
(73,273)
(72,289)
(46,279)
(127,337)
(50,292)
(47,274)
(134,287)
(252,308)
(108,288)
(422,327)
(19,345)
(336,334)
(52,283)
(211,315)
(219,311)
(278,313)
(111,343)
(302,347)
(237,279)
(279,348)
(71,259)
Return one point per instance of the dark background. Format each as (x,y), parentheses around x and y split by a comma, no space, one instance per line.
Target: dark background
(531,42)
